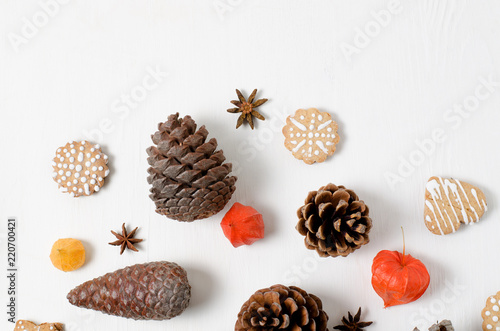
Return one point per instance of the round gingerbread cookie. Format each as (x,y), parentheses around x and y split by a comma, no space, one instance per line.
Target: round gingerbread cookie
(491,313)
(80,168)
(311,135)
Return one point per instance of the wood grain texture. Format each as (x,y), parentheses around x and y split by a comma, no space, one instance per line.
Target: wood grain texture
(73,77)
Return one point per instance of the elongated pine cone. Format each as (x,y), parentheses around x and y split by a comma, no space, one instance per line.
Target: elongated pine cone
(334,221)
(151,291)
(282,308)
(189,178)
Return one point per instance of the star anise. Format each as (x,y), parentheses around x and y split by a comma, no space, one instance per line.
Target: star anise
(352,323)
(247,108)
(125,240)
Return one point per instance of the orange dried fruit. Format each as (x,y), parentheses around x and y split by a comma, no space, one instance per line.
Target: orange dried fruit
(67,254)
(242,225)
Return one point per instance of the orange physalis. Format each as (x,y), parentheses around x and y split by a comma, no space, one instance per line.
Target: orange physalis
(398,278)
(242,225)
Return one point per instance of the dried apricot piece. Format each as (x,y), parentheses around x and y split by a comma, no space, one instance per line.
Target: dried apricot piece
(67,254)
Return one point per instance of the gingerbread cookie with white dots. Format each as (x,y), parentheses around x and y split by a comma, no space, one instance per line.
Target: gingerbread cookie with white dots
(311,135)
(23,325)
(491,313)
(80,168)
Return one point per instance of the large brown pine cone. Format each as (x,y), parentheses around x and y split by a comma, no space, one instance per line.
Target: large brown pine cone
(334,221)
(150,291)
(189,179)
(282,308)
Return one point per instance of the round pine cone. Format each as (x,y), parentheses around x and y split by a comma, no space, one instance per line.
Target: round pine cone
(189,178)
(282,308)
(334,221)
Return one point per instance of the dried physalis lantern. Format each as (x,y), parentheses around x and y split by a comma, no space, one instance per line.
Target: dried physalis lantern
(242,225)
(398,278)
(311,135)
(80,168)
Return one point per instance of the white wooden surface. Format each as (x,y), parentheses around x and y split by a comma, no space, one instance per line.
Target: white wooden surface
(67,80)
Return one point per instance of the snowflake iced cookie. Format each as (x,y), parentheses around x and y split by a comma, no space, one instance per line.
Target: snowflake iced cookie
(23,325)
(311,135)
(491,313)
(80,168)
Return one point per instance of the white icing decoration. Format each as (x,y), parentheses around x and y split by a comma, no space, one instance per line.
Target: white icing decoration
(80,157)
(105,157)
(84,179)
(94,168)
(100,168)
(495,308)
(92,149)
(87,188)
(77,175)
(100,179)
(72,166)
(72,159)
(98,156)
(65,166)
(75,181)
(63,177)
(96,188)
(92,160)
(297,124)
(65,150)
(92,181)
(87,172)
(73,151)
(82,148)
(68,173)
(59,165)
(89,155)
(79,167)
(61,172)
(68,154)
(87,164)
(106,173)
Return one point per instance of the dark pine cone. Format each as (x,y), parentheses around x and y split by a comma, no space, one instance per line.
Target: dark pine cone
(150,291)
(189,178)
(334,221)
(282,308)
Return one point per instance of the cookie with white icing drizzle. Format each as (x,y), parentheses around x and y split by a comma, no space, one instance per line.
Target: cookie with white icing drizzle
(311,135)
(23,325)
(449,203)
(80,168)
(491,313)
